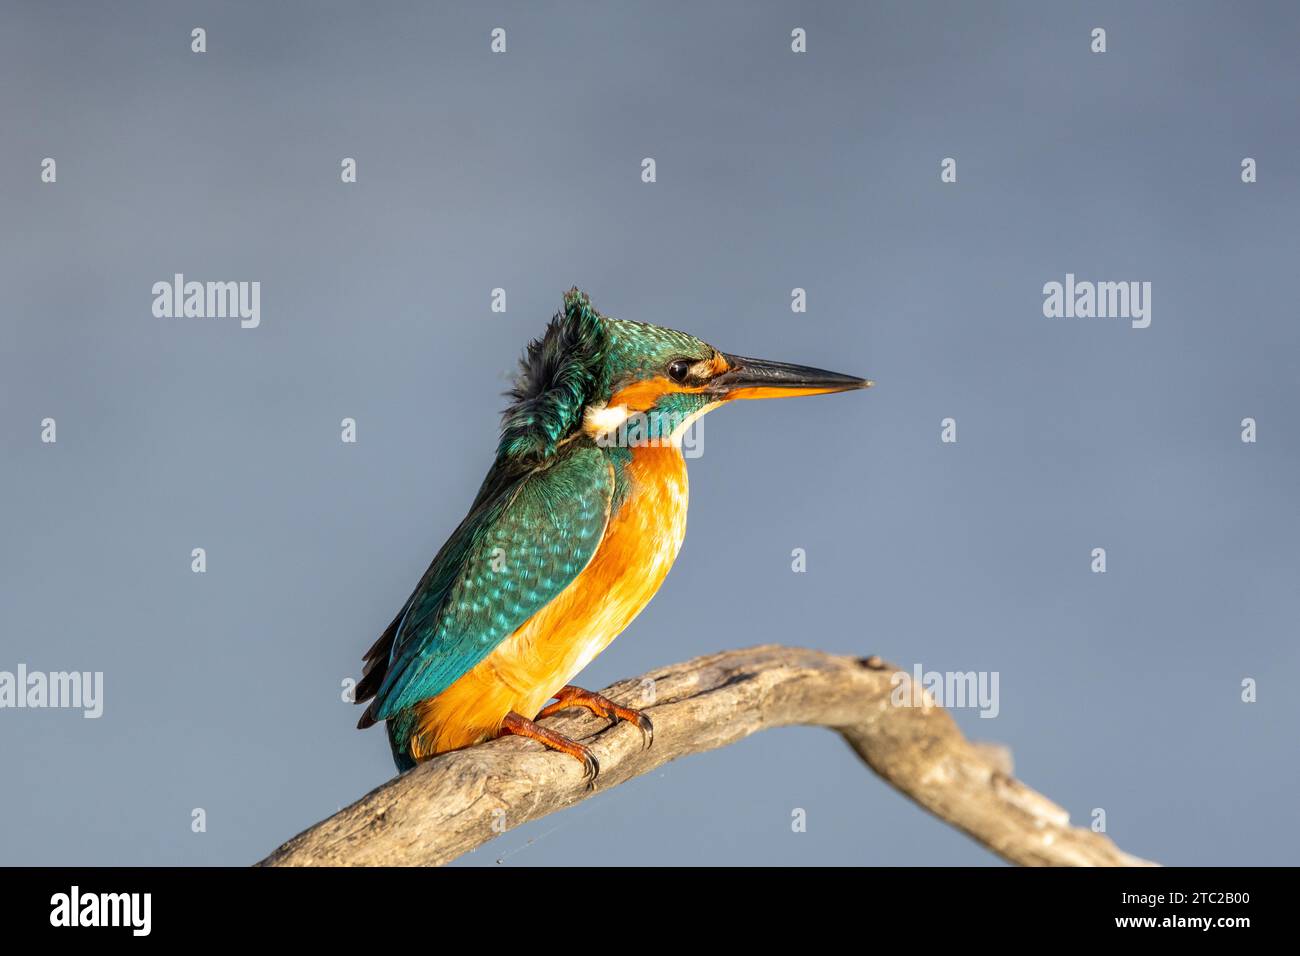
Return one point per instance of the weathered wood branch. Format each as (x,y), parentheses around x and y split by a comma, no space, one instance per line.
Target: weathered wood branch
(458,801)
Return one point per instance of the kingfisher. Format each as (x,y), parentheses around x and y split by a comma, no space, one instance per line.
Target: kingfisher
(571,534)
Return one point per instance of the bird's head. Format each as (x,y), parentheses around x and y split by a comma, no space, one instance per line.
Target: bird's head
(592,373)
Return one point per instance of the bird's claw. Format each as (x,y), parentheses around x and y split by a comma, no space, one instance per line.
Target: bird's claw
(647,728)
(642,722)
(590,767)
(601,706)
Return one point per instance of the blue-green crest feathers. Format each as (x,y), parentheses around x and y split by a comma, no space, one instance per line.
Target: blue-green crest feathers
(560,373)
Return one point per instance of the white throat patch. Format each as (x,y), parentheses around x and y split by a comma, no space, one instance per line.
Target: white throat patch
(602,419)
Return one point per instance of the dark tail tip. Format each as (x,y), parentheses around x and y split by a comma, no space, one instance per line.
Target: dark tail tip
(367,719)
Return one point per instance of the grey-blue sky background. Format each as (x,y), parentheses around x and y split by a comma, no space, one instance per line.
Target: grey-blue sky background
(775,170)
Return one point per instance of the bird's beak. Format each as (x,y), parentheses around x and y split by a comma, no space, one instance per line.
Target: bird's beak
(758,378)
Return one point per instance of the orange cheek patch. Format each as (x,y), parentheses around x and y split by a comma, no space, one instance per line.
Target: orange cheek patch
(641,396)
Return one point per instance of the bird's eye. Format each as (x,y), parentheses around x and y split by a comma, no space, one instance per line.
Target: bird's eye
(678,369)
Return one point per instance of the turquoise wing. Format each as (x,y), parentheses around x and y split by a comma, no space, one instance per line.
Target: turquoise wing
(524,541)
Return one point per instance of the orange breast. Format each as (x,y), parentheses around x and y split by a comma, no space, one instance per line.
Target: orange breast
(639,546)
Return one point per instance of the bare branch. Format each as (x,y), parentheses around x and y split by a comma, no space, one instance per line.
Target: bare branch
(458,801)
